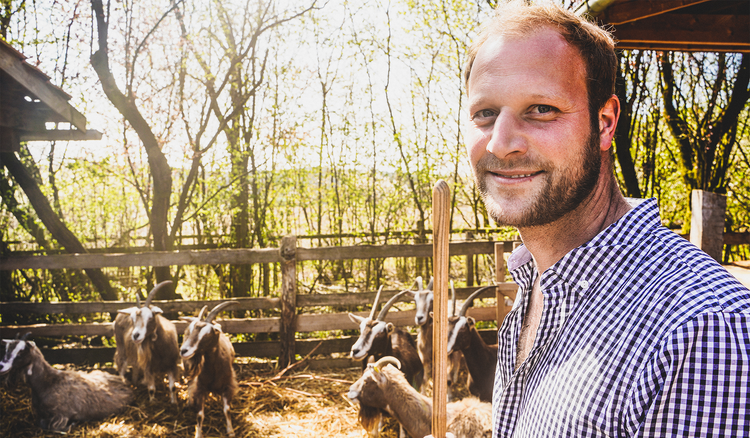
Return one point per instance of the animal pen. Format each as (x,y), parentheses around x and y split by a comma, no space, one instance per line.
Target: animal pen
(294,308)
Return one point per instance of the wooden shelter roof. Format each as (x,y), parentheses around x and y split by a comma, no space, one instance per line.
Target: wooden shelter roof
(28,100)
(675,25)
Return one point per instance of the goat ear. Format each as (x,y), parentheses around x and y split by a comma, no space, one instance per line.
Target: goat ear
(432,315)
(188,318)
(128,311)
(471,321)
(156,310)
(356,319)
(390,328)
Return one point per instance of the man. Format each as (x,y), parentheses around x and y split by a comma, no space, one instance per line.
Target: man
(620,327)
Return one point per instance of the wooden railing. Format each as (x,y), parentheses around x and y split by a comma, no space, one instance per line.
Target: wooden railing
(295,308)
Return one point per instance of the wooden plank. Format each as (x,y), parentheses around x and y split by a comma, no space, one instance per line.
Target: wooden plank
(50,95)
(61,135)
(625,12)
(233,256)
(683,30)
(266,349)
(184,306)
(155,258)
(305,323)
(190,307)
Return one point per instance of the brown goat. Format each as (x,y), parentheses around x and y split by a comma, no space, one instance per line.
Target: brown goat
(384,387)
(378,338)
(61,399)
(207,356)
(481,359)
(423,298)
(147,341)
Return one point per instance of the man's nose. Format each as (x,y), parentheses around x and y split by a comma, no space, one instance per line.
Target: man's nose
(508,136)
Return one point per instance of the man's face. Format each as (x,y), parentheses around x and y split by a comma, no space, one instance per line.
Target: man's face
(529,138)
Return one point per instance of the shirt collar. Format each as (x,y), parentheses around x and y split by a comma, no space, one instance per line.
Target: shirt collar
(593,256)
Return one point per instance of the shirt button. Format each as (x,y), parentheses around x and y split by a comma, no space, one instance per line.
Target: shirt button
(584,284)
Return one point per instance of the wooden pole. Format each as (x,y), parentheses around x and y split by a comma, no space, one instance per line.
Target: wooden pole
(441,258)
(288,327)
(707,222)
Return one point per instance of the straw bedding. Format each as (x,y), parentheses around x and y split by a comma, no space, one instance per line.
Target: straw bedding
(301,403)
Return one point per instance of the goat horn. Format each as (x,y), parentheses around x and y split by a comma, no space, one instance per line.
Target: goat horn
(375,304)
(137,299)
(469,301)
(429,285)
(156,288)
(387,360)
(419,283)
(453,299)
(200,314)
(215,311)
(388,305)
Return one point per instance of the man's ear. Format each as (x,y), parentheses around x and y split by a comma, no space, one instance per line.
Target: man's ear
(608,116)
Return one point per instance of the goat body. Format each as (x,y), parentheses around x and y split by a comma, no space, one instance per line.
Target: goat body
(147,341)
(62,399)
(382,386)
(207,356)
(481,359)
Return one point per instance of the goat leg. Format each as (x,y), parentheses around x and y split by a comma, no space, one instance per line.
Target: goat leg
(230,430)
(172,395)
(149,377)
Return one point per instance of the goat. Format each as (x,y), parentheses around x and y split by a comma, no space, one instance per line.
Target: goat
(423,298)
(147,341)
(481,359)
(61,399)
(378,338)
(207,356)
(384,387)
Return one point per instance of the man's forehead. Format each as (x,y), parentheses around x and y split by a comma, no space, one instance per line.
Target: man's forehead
(519,54)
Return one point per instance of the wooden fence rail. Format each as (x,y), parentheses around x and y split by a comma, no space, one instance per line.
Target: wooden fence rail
(295,309)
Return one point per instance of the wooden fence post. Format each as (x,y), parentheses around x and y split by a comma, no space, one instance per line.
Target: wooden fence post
(288,327)
(469,262)
(707,222)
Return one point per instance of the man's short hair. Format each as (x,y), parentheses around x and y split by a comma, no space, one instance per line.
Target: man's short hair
(595,45)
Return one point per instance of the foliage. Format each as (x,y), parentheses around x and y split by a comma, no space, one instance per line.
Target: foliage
(325,120)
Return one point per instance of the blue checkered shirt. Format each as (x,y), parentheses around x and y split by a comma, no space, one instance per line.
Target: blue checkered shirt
(642,334)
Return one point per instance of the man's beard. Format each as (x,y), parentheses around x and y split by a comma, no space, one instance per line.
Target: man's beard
(557,197)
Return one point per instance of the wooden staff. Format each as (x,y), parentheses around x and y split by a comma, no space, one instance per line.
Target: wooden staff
(440,252)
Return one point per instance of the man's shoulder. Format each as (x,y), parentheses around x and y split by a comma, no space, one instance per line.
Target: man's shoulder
(688,274)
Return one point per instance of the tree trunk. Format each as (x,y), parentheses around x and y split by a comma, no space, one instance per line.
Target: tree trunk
(160,170)
(52,222)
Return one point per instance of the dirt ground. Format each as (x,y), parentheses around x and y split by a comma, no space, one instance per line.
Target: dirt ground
(302,403)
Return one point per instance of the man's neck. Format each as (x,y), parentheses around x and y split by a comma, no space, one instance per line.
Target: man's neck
(549,243)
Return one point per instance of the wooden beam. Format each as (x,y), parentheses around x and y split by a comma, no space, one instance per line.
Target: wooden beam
(9,140)
(21,72)
(686,32)
(234,256)
(61,135)
(625,12)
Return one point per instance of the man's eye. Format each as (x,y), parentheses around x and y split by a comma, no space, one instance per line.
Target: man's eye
(542,109)
(483,114)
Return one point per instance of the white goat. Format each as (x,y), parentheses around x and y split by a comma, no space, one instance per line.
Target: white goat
(207,356)
(147,341)
(61,399)
(382,386)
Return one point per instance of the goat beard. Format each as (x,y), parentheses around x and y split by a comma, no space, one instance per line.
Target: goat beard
(192,366)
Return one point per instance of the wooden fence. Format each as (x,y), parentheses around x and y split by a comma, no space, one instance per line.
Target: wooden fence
(297,310)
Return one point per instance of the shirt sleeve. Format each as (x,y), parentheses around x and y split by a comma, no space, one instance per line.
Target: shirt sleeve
(697,383)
